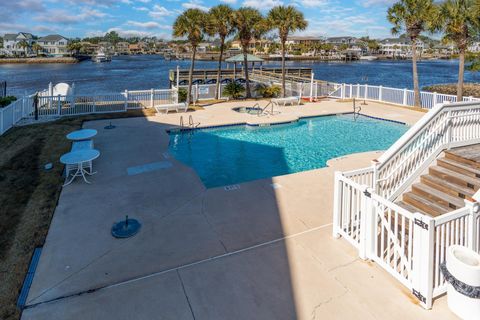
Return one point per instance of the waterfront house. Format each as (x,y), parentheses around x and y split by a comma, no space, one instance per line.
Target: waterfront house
(307,41)
(397,47)
(12,43)
(106,46)
(134,48)
(88,47)
(122,47)
(54,45)
(337,41)
(255,46)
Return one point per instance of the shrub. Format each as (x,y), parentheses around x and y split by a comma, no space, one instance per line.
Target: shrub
(268,91)
(234,90)
(5,101)
(182,95)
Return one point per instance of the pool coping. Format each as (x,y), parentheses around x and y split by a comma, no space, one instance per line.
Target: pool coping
(268,124)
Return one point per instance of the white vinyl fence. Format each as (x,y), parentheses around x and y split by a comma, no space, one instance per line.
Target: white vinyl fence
(72,105)
(402,97)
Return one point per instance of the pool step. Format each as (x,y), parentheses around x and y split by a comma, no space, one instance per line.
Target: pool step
(452,180)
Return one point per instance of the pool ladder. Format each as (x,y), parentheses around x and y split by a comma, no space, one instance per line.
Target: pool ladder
(191,123)
(356,110)
(263,110)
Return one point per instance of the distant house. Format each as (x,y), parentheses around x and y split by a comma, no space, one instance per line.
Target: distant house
(54,45)
(122,47)
(12,43)
(337,41)
(135,48)
(293,40)
(106,46)
(255,46)
(399,47)
(88,48)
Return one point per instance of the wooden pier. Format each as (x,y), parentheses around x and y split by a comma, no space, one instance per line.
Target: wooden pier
(206,76)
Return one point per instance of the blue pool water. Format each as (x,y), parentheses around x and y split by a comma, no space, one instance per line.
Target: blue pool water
(230,155)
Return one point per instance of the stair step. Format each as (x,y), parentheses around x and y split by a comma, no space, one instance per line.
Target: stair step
(436,195)
(468,155)
(455,177)
(428,206)
(460,167)
(409,207)
(448,187)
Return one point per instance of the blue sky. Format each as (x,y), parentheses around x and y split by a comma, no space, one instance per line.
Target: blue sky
(79,18)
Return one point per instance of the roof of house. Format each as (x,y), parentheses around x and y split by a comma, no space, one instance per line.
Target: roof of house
(25,34)
(9,36)
(239,58)
(52,37)
(295,38)
(341,38)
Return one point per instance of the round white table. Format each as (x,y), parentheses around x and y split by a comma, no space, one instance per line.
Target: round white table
(84,134)
(77,158)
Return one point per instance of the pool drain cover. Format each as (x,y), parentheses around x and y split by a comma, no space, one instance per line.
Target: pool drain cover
(126,228)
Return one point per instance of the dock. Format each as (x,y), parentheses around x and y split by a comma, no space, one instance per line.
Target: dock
(208,76)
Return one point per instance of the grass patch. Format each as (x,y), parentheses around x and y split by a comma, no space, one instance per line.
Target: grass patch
(30,194)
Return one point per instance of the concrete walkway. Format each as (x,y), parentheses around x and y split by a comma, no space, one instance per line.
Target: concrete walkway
(256,252)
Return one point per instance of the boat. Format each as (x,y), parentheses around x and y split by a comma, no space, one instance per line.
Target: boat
(101,57)
(368,58)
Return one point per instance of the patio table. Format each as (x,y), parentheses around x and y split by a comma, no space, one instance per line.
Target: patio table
(77,158)
(84,134)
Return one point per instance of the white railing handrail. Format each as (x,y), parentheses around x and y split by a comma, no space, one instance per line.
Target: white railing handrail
(400,144)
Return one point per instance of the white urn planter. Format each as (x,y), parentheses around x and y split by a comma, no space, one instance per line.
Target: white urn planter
(462,273)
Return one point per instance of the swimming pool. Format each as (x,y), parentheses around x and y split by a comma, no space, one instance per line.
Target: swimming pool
(229,155)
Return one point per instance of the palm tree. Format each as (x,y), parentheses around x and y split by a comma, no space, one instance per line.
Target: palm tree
(458,21)
(249,24)
(36,47)
(221,23)
(192,25)
(415,17)
(286,19)
(24,45)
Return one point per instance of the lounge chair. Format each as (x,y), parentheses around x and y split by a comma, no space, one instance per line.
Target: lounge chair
(286,101)
(178,107)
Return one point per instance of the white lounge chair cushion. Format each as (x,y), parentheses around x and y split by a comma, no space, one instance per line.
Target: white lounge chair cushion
(287,100)
(173,106)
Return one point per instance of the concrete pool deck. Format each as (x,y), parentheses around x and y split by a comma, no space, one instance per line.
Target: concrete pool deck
(262,250)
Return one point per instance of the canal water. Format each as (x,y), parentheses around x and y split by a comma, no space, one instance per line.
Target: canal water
(145,72)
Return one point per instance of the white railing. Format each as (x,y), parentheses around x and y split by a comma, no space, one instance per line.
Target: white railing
(396,96)
(50,106)
(445,126)
(347,219)
(408,245)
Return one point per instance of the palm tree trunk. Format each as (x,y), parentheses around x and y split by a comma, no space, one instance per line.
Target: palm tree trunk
(461,71)
(416,87)
(219,72)
(190,74)
(245,67)
(283,69)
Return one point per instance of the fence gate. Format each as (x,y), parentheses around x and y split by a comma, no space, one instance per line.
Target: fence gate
(392,231)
